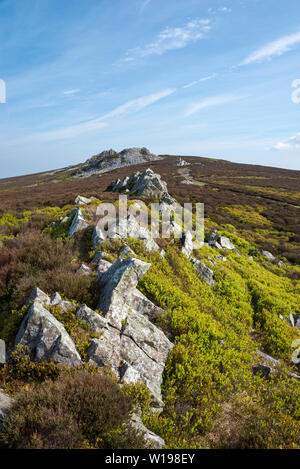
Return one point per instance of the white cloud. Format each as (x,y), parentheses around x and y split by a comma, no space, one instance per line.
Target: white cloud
(290,144)
(275,48)
(72,131)
(68,132)
(193,83)
(225,9)
(138,104)
(71,92)
(171,38)
(144,5)
(210,102)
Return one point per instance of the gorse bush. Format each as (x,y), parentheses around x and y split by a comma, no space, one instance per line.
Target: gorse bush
(82,410)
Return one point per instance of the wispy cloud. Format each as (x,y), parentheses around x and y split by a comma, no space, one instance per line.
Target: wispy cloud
(210,102)
(171,38)
(193,83)
(144,5)
(290,144)
(71,92)
(272,49)
(138,104)
(72,131)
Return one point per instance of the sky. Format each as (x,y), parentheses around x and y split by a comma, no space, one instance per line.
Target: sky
(213,78)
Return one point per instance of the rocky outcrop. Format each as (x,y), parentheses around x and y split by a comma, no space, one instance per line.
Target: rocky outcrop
(268,366)
(187,244)
(117,286)
(181,162)
(126,342)
(154,441)
(294,320)
(46,337)
(219,242)
(111,159)
(129,343)
(78,223)
(122,229)
(6,403)
(56,300)
(268,255)
(206,274)
(146,184)
(84,270)
(80,200)
(2,352)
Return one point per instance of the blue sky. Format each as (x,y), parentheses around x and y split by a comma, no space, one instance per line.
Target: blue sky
(192,77)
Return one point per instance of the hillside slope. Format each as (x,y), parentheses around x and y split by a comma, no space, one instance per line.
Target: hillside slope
(222,318)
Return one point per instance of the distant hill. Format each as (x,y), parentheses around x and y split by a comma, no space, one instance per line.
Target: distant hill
(111,159)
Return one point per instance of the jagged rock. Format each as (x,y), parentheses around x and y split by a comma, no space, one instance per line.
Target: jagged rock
(172,228)
(225,243)
(149,184)
(56,300)
(39,296)
(97,236)
(291,320)
(2,352)
(268,255)
(108,160)
(46,337)
(213,237)
(96,322)
(131,228)
(219,242)
(126,251)
(136,352)
(117,286)
(188,246)
(98,256)
(102,267)
(129,344)
(142,304)
(294,320)
(146,184)
(80,200)
(167,204)
(205,273)
(78,223)
(182,162)
(250,258)
(84,270)
(6,403)
(153,440)
(268,365)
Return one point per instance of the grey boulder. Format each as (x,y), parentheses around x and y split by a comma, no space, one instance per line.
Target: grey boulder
(206,274)
(46,337)
(2,352)
(78,223)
